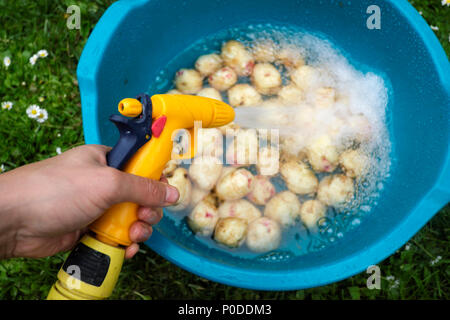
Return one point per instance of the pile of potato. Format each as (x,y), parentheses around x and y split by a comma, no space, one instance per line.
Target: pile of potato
(230,203)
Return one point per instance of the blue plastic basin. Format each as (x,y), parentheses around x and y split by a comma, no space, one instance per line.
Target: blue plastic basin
(134,39)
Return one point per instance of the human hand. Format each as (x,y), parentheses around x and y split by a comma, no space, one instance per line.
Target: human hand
(46,206)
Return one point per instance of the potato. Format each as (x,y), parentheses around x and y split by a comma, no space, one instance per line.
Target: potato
(264,234)
(180,180)
(311,212)
(360,127)
(236,56)
(223,79)
(266,78)
(262,191)
(210,93)
(209,143)
(284,208)
(291,95)
(325,97)
(198,195)
(305,77)
(205,171)
(299,178)
(203,218)
(174,91)
(188,81)
(243,149)
(322,154)
(336,190)
(208,64)
(235,184)
(243,95)
(240,209)
(290,57)
(231,231)
(264,51)
(268,161)
(354,163)
(170,167)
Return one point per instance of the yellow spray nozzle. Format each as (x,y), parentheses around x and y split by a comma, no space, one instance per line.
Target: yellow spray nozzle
(130,107)
(92,269)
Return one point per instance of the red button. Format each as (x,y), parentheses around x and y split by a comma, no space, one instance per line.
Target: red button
(158,126)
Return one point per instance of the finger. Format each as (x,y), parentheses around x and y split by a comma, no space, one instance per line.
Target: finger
(131,250)
(145,192)
(164,179)
(140,231)
(150,215)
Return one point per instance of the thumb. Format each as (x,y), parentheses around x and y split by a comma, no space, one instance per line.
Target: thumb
(146,192)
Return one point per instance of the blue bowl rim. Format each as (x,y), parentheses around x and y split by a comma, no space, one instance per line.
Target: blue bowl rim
(437,197)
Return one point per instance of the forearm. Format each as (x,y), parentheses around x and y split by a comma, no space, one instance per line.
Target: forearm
(9,221)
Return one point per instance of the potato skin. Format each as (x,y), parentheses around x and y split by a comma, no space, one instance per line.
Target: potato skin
(354,163)
(240,209)
(266,78)
(322,154)
(203,218)
(231,231)
(291,95)
(262,191)
(336,190)
(243,95)
(268,161)
(243,149)
(205,171)
(188,81)
(208,64)
(304,77)
(236,56)
(235,184)
(284,208)
(311,212)
(180,180)
(210,93)
(290,57)
(223,79)
(263,234)
(299,178)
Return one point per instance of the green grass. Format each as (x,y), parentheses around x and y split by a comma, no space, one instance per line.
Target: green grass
(28,26)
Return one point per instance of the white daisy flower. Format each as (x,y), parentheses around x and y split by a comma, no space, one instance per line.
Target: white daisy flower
(435,28)
(58,135)
(42,116)
(58,150)
(407,247)
(395,284)
(2,168)
(42,53)
(433,262)
(7,105)
(33,59)
(41,99)
(6,61)
(420,12)
(446,2)
(33,111)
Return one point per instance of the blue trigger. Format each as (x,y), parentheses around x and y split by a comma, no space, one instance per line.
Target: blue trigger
(134,133)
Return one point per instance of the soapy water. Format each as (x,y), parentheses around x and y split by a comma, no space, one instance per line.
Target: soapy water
(359,94)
